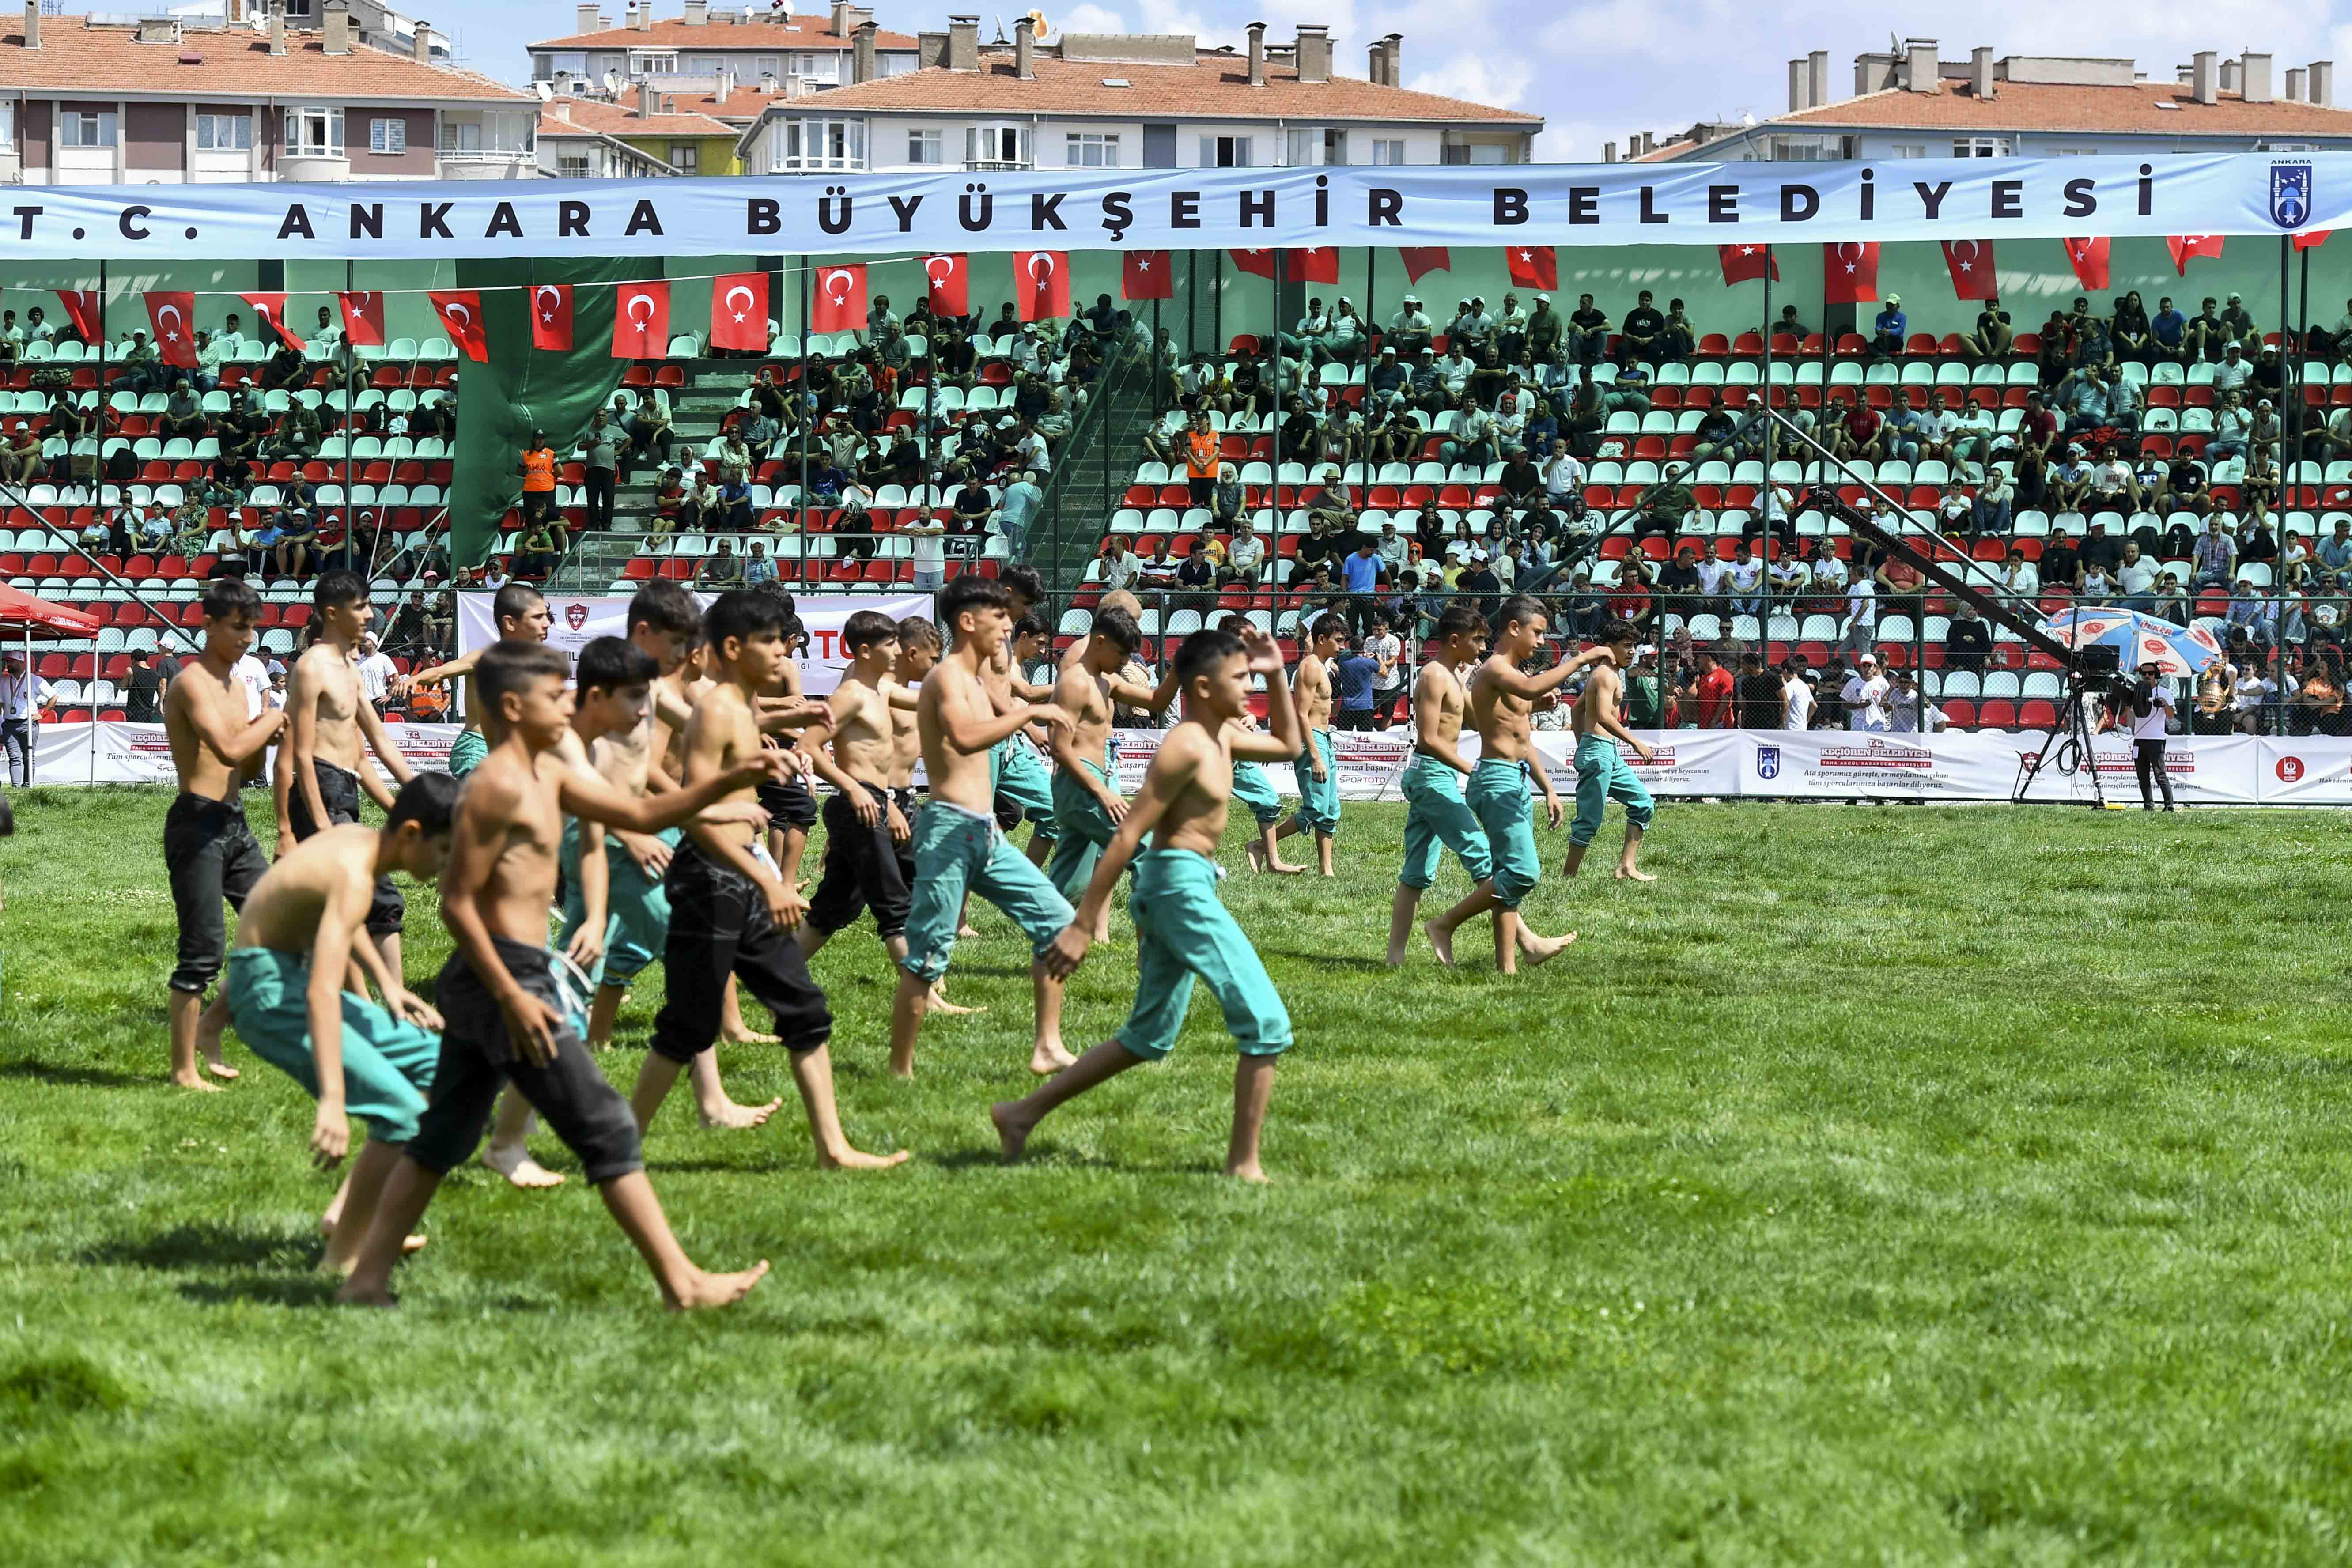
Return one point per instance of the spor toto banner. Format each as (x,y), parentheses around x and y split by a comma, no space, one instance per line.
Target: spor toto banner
(913,214)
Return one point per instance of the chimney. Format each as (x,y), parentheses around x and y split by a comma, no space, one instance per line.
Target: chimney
(585,19)
(646,16)
(1394,45)
(964,42)
(1817,78)
(2204,76)
(1609,152)
(422,45)
(1313,60)
(1256,31)
(1798,81)
(277,26)
(1920,65)
(2230,76)
(861,59)
(648,100)
(2255,74)
(698,13)
(561,109)
(841,18)
(930,51)
(1376,64)
(2294,84)
(1025,49)
(338,24)
(32,25)
(1980,72)
(2322,83)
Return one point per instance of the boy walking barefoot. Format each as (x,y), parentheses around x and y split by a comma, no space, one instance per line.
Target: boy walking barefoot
(918,650)
(958,845)
(209,852)
(730,913)
(297,938)
(1182,929)
(1502,695)
(1318,764)
(506,1016)
(1256,792)
(862,822)
(1086,804)
(1601,774)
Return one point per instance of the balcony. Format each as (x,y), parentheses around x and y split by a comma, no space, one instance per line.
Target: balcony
(314,168)
(498,164)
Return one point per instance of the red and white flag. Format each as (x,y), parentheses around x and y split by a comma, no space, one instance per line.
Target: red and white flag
(1742,262)
(1042,280)
(172,314)
(82,309)
(550,317)
(362,319)
(1533,266)
(271,308)
(739,311)
(1421,260)
(460,310)
(1313,264)
(2184,245)
(1969,261)
(2311,239)
(641,321)
(838,299)
(1850,272)
(2089,259)
(1257,261)
(948,278)
(1146,275)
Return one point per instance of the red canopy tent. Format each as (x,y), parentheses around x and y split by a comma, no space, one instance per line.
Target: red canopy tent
(28,615)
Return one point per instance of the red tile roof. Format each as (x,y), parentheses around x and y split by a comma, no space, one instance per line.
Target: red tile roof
(592,118)
(803,33)
(76,56)
(743,106)
(2158,108)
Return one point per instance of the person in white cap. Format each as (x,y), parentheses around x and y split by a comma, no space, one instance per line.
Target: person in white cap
(1347,337)
(1886,331)
(1409,330)
(1865,695)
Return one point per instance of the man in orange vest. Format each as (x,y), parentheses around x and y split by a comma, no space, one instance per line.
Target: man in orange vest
(538,470)
(1200,448)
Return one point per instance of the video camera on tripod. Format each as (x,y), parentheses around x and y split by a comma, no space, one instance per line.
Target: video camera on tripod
(2098,669)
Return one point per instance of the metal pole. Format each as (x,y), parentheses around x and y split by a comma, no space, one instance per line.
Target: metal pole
(808,415)
(350,276)
(1276,313)
(1371,283)
(2290,458)
(1217,305)
(1766,493)
(104,392)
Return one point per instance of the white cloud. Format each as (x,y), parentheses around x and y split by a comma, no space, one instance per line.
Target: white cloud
(1087,19)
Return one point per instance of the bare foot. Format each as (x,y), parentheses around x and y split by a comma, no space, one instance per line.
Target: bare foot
(967,932)
(849,1158)
(1542,948)
(1012,1132)
(1255,854)
(1285,868)
(220,1068)
(729,1116)
(517,1166)
(1628,874)
(717,1289)
(1252,1171)
(938,1002)
(413,1245)
(1439,939)
(349,1297)
(1049,1059)
(741,1034)
(208,1045)
(194,1080)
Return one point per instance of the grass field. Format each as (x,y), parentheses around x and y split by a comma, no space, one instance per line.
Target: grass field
(1882,1186)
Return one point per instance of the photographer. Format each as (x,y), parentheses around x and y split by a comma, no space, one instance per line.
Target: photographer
(2146,707)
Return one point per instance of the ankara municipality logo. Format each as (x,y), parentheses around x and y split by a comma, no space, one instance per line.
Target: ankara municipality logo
(1768,761)
(2290,194)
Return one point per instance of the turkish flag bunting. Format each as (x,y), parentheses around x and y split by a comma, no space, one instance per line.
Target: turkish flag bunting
(1971,266)
(838,304)
(739,311)
(2184,245)
(550,317)
(1421,260)
(1313,264)
(1533,266)
(1043,278)
(1146,275)
(362,319)
(2089,259)
(1256,262)
(948,279)
(172,314)
(641,321)
(1743,262)
(271,308)
(82,306)
(1850,272)
(460,310)
(2311,239)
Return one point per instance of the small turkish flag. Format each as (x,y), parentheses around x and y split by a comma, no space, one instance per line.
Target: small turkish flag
(949,280)
(460,310)
(1971,266)
(173,315)
(82,306)
(1533,266)
(550,317)
(1043,279)
(2184,245)
(362,319)
(2089,259)
(1742,262)
(1256,262)
(838,303)
(2311,239)
(271,308)
(1146,275)
(641,321)
(1313,264)
(1850,272)
(1421,260)
(739,311)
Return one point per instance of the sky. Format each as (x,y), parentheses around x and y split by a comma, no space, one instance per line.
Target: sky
(1598,71)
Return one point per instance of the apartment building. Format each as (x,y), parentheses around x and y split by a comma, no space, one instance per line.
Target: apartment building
(755,49)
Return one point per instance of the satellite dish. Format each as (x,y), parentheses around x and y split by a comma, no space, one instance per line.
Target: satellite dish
(546,91)
(1037,23)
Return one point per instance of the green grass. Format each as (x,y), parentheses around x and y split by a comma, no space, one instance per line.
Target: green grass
(1884,1186)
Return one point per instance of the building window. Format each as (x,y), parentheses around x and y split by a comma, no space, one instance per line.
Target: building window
(387,135)
(895,65)
(314,132)
(1981,147)
(1226,153)
(653,65)
(460,136)
(571,62)
(572,168)
(686,157)
(823,144)
(1088,150)
(702,65)
(1386,153)
(225,132)
(818,68)
(86,128)
(923,147)
(1308,147)
(996,147)
(768,65)
(1907,149)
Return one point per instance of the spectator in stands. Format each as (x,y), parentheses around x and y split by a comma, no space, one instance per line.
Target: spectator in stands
(2113,487)
(1761,699)
(2253,614)
(1861,629)
(734,503)
(853,526)
(1903,433)
(1360,569)
(137,367)
(1638,339)
(721,568)
(1993,509)
(1668,504)
(1860,433)
(2206,334)
(2136,580)
(1245,556)
(2236,370)
(1743,579)
(1993,337)
(1122,569)
(1017,512)
(2070,481)
(296,530)
(651,440)
(1706,694)
(20,459)
(600,455)
(1478,574)
(2233,425)
(239,432)
(2172,601)
(1588,331)
(285,370)
(1470,434)
(1888,329)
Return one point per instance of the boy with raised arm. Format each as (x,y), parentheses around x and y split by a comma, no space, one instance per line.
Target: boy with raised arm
(1502,696)
(1318,762)
(297,941)
(209,852)
(1601,774)
(505,1013)
(1086,802)
(958,845)
(520,613)
(730,912)
(330,728)
(1182,929)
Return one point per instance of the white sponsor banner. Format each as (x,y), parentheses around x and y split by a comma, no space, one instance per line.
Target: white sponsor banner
(578,620)
(912,213)
(2304,770)
(110,751)
(2205,770)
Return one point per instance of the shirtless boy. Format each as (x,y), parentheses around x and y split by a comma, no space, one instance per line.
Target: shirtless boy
(519,612)
(863,826)
(506,1014)
(958,845)
(1023,789)
(1502,696)
(792,805)
(297,939)
(1318,763)
(1182,929)
(729,911)
(330,728)
(208,851)
(1601,774)
(1087,803)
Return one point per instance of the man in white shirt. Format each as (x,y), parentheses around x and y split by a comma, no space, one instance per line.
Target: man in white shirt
(1799,693)
(376,671)
(927,536)
(1744,576)
(1563,478)
(1861,616)
(1245,556)
(21,694)
(1829,572)
(1865,693)
(2147,707)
